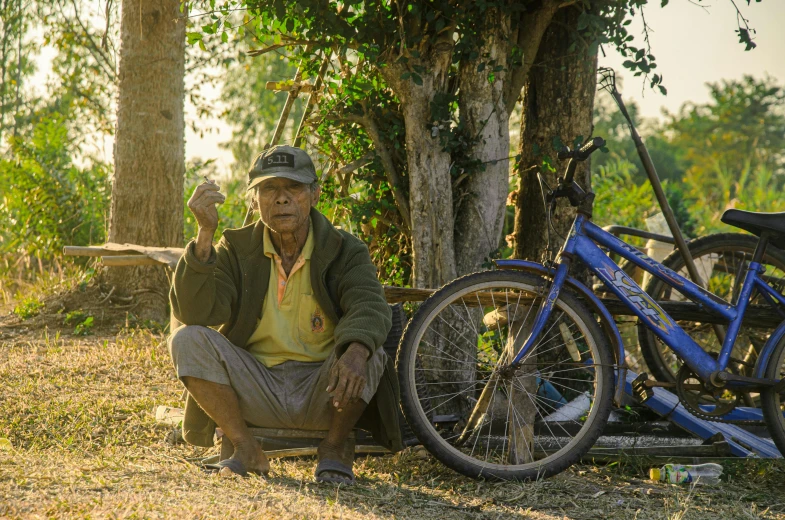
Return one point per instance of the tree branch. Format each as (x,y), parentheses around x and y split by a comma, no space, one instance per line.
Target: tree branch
(105,63)
(531,28)
(393,178)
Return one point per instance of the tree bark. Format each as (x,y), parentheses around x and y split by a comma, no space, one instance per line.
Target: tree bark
(481,197)
(147,188)
(428,164)
(558,102)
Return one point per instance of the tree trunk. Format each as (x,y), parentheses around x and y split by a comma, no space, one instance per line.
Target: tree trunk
(147,188)
(481,197)
(430,199)
(428,164)
(558,102)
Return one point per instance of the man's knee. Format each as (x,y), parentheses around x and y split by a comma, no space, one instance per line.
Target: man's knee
(183,339)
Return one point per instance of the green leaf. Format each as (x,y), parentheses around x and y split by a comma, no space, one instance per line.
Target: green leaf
(583,20)
(193,37)
(224,37)
(416,78)
(481,67)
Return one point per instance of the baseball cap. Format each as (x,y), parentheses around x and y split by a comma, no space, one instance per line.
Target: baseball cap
(282,161)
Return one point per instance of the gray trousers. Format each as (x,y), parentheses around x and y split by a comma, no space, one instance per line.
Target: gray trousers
(292,394)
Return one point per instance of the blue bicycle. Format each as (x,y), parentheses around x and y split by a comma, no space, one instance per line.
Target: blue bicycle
(511,374)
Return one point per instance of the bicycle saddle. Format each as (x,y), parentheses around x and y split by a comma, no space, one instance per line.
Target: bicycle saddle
(757,223)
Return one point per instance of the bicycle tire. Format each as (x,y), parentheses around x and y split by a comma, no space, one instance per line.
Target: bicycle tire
(662,363)
(422,424)
(772,402)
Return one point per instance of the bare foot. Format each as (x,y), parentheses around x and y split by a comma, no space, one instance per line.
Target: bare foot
(252,456)
(335,452)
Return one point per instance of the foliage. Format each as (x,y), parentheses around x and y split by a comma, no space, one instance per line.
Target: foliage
(610,124)
(738,134)
(17,64)
(82,321)
(252,110)
(379,53)
(48,201)
(620,200)
(726,153)
(27,307)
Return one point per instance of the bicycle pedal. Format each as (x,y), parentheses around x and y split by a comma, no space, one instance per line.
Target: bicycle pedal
(640,390)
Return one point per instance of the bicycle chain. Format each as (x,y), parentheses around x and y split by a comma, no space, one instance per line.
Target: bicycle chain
(713,418)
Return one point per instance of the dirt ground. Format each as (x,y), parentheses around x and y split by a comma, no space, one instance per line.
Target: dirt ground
(78,439)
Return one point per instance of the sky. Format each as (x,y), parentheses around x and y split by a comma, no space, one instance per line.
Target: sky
(693,41)
(695,46)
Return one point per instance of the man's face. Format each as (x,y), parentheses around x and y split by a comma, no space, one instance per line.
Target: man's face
(284,204)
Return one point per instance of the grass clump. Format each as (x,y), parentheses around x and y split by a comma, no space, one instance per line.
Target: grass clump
(83,322)
(28,307)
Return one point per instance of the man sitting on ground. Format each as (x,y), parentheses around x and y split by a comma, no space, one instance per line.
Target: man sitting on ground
(301,320)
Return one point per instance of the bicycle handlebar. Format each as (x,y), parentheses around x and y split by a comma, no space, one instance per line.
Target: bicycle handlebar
(579,155)
(584,152)
(567,187)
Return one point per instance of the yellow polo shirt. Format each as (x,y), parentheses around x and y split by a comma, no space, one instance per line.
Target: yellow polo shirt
(292,325)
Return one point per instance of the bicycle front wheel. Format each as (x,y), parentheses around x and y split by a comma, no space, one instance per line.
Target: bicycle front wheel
(483,417)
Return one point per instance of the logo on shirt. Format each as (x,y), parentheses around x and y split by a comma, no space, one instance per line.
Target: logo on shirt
(317,321)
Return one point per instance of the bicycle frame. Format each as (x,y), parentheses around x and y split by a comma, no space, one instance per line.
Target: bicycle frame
(582,243)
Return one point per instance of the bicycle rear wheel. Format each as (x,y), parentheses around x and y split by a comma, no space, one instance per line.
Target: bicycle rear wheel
(773,402)
(721,260)
(479,416)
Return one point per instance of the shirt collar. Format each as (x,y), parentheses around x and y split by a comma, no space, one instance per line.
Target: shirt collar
(269,248)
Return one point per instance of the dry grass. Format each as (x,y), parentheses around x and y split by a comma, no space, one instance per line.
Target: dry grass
(78,414)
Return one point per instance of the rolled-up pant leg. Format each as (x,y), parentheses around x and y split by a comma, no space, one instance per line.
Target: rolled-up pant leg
(290,395)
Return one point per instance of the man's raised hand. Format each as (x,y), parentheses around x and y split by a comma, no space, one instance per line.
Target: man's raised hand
(202,205)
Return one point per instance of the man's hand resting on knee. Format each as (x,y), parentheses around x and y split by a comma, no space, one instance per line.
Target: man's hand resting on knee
(348,376)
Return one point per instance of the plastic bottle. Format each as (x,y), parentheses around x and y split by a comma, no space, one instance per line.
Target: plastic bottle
(682,474)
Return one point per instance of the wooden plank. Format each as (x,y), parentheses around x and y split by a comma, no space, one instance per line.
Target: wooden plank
(717,449)
(127,260)
(311,451)
(283,433)
(95,251)
(406,294)
(314,90)
(755,316)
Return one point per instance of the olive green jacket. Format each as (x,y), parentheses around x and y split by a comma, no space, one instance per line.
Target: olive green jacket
(228,290)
